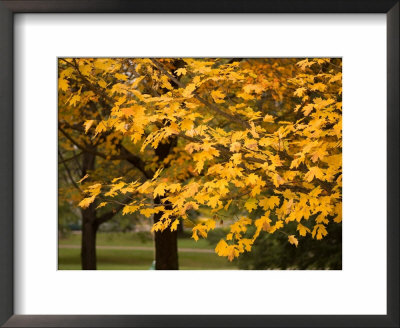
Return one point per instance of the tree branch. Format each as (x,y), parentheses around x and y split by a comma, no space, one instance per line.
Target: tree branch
(131,158)
(136,161)
(69,173)
(70,158)
(109,215)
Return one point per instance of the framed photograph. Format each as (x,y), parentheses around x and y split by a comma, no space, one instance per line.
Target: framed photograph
(199,164)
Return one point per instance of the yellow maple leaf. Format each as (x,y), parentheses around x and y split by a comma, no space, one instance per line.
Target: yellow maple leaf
(314,172)
(321,218)
(251,144)
(338,210)
(257,88)
(307,109)
(174,225)
(165,83)
(232,252)
(318,87)
(180,71)
(263,223)
(84,203)
(101,127)
(245,96)
(296,162)
(269,203)
(305,63)
(85,69)
(187,92)
(218,96)
(102,83)
(252,179)
(187,125)
(101,205)
(121,127)
(210,224)
(319,231)
(159,190)
(221,248)
(278,224)
(74,100)
(268,118)
(195,236)
(245,245)
(128,111)
(115,188)
(277,180)
(319,154)
(95,189)
(236,158)
(147,212)
(63,84)
(251,204)
(214,201)
(129,209)
(300,92)
(121,76)
(174,187)
(293,240)
(302,230)
(235,147)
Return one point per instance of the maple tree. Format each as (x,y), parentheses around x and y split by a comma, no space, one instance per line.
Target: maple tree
(76,164)
(259,137)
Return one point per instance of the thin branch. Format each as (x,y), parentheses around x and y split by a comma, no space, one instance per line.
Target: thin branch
(109,215)
(131,158)
(136,161)
(69,172)
(70,158)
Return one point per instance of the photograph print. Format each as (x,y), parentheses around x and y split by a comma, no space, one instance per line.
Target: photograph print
(199,163)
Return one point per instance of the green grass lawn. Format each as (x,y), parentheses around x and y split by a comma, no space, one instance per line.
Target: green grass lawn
(120,259)
(131,239)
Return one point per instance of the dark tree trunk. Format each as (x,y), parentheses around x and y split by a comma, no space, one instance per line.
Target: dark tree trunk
(166,244)
(89,230)
(89,224)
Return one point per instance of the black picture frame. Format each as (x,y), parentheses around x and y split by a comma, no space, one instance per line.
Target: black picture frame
(7,197)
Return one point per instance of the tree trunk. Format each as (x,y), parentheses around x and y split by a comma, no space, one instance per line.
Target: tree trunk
(88,249)
(166,244)
(89,224)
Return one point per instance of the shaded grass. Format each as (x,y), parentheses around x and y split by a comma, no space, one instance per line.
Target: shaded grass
(131,239)
(111,259)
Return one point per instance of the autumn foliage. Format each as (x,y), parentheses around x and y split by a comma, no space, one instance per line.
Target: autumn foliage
(260,138)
